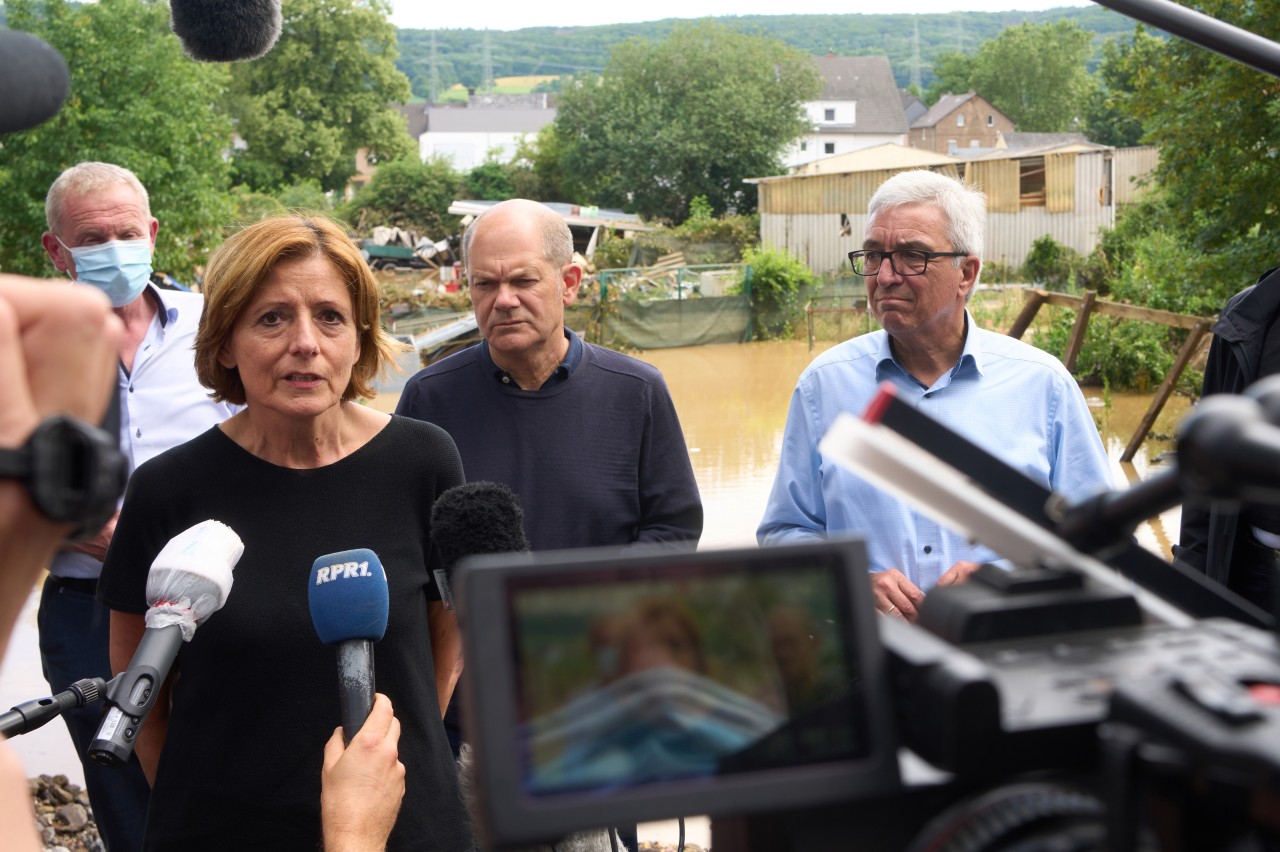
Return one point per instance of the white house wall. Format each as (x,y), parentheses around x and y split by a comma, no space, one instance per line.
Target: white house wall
(844,143)
(468,150)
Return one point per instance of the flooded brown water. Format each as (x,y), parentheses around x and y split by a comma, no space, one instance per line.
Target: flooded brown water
(732,401)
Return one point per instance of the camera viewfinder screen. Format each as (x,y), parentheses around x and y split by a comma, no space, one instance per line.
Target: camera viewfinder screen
(682,671)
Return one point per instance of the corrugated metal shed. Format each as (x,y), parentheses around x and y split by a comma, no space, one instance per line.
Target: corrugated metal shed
(820,218)
(887,155)
(1132,165)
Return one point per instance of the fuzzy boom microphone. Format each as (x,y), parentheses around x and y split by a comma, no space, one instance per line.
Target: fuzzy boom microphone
(471,519)
(226,30)
(33,81)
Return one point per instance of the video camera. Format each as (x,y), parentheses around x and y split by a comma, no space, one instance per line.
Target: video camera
(1056,705)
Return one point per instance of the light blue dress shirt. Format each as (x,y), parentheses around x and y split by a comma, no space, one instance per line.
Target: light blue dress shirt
(1012,399)
(162,403)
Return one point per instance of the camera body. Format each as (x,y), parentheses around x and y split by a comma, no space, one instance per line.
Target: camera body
(1058,700)
(1025,704)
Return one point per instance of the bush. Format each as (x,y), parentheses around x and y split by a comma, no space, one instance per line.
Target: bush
(1051,264)
(776,279)
(1121,354)
(410,194)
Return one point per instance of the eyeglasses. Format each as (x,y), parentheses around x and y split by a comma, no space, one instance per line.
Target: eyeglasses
(904,262)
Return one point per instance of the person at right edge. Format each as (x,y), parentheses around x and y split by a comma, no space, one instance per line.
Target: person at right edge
(1235,545)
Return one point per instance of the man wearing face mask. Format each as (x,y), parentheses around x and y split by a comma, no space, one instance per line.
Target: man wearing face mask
(101,234)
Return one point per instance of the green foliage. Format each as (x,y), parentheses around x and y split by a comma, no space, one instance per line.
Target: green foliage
(538,173)
(460,53)
(1036,75)
(699,211)
(320,95)
(1108,116)
(409,194)
(1216,122)
(1117,353)
(613,253)
(951,73)
(304,195)
(491,181)
(1051,264)
(253,206)
(691,115)
(777,278)
(136,101)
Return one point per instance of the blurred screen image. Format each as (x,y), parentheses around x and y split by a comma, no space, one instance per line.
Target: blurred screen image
(684,671)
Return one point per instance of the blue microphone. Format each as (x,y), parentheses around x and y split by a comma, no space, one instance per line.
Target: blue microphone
(349,601)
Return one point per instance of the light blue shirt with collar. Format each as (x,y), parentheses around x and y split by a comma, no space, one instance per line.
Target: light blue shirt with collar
(162,403)
(1010,398)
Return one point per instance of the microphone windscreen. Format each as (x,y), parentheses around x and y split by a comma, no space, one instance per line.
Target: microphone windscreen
(33,81)
(348,596)
(225,30)
(196,564)
(475,518)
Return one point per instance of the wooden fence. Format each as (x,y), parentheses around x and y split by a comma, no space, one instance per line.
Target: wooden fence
(1089,304)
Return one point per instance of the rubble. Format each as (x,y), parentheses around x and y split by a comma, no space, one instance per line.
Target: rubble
(64,818)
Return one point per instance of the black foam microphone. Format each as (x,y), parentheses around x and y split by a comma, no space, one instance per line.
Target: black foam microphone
(349,601)
(471,519)
(189,581)
(33,81)
(226,30)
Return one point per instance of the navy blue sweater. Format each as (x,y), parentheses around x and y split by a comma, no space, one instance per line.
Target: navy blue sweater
(597,459)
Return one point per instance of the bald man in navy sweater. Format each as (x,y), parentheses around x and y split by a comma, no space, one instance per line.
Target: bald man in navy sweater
(587,437)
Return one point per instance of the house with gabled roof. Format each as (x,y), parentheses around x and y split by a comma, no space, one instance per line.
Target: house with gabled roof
(960,121)
(860,106)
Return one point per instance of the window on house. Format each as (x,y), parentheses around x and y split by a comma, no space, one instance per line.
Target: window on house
(828,115)
(1031,182)
(991,121)
(828,147)
(973,143)
(960,120)
(804,146)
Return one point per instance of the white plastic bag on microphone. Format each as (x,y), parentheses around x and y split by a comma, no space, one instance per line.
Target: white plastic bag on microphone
(191,576)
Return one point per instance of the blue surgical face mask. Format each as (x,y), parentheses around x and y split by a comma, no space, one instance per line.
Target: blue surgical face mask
(120,268)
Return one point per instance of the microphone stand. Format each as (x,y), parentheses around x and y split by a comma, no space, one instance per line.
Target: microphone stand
(29,715)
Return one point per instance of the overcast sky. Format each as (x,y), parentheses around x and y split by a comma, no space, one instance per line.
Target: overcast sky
(510,15)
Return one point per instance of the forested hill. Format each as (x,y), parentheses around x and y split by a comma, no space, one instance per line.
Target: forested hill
(460,54)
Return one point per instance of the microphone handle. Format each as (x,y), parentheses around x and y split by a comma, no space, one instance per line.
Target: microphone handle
(29,715)
(355,684)
(134,693)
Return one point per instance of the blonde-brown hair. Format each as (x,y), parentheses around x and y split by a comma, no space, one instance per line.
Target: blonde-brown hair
(238,268)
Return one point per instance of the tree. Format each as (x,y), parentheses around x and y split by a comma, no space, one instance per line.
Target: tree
(693,114)
(410,194)
(320,95)
(951,74)
(1036,75)
(491,181)
(538,173)
(1108,115)
(136,101)
(1216,123)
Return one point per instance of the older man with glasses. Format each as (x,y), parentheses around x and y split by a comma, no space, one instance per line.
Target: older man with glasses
(920,258)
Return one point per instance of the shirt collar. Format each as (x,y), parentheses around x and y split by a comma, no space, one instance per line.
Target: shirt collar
(572,357)
(971,354)
(167,313)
